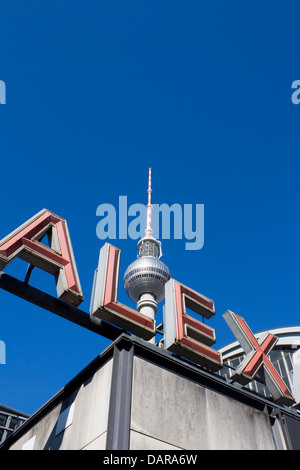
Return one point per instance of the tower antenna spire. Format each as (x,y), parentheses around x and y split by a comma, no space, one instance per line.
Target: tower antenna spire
(149,208)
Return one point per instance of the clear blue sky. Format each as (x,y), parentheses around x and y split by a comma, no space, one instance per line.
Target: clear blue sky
(99,91)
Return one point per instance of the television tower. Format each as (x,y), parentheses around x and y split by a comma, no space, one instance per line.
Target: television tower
(145,278)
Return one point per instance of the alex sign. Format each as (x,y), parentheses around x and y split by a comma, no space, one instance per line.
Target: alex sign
(183,334)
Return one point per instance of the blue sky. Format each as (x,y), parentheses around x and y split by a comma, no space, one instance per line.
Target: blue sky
(99,91)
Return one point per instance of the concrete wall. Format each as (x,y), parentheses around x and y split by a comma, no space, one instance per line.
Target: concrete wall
(81,419)
(139,397)
(171,412)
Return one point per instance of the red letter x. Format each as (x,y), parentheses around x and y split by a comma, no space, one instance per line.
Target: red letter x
(256,358)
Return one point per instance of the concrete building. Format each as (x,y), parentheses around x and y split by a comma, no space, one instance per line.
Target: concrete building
(136,396)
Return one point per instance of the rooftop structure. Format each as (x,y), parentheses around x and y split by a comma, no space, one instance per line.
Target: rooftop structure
(10,420)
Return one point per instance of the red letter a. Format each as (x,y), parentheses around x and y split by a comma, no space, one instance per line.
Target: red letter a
(24,242)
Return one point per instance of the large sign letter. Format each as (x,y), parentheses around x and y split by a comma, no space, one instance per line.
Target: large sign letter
(58,259)
(256,359)
(184,335)
(104,302)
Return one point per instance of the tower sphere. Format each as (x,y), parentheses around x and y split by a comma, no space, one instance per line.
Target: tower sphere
(147,274)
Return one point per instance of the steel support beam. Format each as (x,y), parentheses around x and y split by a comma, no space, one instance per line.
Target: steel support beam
(118,428)
(57,306)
